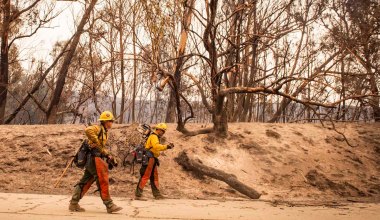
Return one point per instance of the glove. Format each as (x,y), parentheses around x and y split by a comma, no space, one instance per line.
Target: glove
(170,146)
(112,162)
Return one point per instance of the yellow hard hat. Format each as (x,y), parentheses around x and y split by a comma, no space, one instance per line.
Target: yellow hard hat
(106,116)
(161,126)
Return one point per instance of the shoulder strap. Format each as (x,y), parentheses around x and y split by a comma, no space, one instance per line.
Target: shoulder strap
(101,133)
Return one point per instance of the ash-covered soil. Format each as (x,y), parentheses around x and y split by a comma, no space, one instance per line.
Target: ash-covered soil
(284,162)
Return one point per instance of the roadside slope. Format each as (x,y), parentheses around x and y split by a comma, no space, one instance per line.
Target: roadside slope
(285,162)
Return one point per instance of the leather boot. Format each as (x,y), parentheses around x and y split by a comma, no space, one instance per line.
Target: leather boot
(157,194)
(138,192)
(113,208)
(75,207)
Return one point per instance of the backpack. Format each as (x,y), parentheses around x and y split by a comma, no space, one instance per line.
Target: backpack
(142,154)
(80,157)
(139,153)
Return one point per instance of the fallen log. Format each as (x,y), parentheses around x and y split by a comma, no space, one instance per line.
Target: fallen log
(198,168)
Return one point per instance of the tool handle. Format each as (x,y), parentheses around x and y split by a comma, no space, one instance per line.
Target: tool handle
(63,173)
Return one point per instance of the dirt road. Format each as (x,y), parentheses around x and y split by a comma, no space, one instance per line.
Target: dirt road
(32,206)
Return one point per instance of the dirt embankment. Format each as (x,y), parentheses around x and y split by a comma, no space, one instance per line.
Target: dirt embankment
(293,162)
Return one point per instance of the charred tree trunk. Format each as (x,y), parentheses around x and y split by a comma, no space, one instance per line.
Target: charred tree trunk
(219,115)
(134,64)
(122,104)
(231,76)
(4,66)
(220,118)
(113,77)
(175,93)
(51,113)
(249,98)
(170,113)
(93,78)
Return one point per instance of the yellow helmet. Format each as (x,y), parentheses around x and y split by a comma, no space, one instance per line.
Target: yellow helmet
(161,126)
(106,116)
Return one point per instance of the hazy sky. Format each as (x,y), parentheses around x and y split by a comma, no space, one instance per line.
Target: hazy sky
(61,28)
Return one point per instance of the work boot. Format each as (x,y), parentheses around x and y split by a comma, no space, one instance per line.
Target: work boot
(75,207)
(113,208)
(158,196)
(138,192)
(156,192)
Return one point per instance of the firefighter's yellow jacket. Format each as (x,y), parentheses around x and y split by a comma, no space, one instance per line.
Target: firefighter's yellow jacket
(153,144)
(97,137)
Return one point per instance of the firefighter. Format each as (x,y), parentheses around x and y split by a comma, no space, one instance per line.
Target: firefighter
(148,169)
(96,169)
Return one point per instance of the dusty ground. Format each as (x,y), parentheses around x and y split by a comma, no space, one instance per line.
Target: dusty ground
(292,163)
(41,207)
